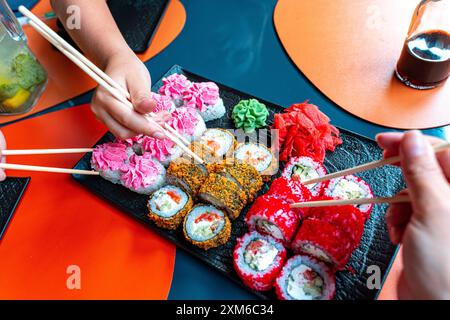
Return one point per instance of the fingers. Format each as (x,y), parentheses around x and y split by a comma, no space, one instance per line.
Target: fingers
(2,159)
(422,172)
(397,218)
(139,85)
(126,121)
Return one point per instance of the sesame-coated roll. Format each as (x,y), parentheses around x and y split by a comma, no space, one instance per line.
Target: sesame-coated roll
(305,278)
(245,176)
(258,260)
(206,227)
(224,194)
(187,174)
(168,206)
(273,216)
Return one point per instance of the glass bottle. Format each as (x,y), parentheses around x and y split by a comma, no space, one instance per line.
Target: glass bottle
(425,59)
(22,78)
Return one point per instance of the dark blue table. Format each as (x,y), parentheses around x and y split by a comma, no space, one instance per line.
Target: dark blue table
(234,42)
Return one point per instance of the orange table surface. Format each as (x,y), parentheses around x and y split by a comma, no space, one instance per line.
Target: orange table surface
(58,224)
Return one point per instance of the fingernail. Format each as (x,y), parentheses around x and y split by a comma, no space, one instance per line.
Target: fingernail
(414,143)
(159,135)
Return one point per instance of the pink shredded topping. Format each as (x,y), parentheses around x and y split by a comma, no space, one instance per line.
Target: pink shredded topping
(158,148)
(109,156)
(141,172)
(184,120)
(174,86)
(131,141)
(201,95)
(163,103)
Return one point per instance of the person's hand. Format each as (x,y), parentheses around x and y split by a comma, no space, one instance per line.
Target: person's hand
(422,226)
(2,159)
(129,72)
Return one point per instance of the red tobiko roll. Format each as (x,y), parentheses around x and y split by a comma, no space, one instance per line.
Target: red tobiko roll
(324,241)
(292,191)
(348,218)
(258,259)
(273,216)
(348,188)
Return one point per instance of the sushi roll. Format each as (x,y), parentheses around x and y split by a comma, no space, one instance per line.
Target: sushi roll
(257,155)
(143,174)
(273,216)
(206,227)
(174,87)
(163,103)
(245,176)
(292,191)
(168,206)
(221,142)
(258,259)
(324,241)
(109,158)
(186,174)
(305,278)
(204,96)
(304,169)
(224,194)
(160,149)
(348,218)
(348,188)
(188,122)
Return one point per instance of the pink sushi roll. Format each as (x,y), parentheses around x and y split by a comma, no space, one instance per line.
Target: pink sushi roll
(188,122)
(304,169)
(258,259)
(273,216)
(348,188)
(174,87)
(205,97)
(163,103)
(109,158)
(305,278)
(143,174)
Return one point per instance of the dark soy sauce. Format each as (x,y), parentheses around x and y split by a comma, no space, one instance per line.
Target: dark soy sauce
(425,60)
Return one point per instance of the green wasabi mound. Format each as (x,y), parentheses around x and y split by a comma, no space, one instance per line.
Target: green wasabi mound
(250,115)
(28,71)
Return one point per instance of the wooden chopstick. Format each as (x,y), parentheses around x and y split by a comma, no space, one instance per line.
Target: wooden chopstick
(370,165)
(10,166)
(43,151)
(63,43)
(329,203)
(114,90)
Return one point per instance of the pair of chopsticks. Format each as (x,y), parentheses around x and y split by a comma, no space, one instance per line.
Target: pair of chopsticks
(102,78)
(364,167)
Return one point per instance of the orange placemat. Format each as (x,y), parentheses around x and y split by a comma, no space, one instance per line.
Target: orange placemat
(66,80)
(58,224)
(349,48)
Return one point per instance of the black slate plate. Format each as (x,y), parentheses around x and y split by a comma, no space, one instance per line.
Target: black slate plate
(375,248)
(11,190)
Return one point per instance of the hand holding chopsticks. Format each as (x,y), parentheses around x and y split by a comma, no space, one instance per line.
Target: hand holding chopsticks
(103,79)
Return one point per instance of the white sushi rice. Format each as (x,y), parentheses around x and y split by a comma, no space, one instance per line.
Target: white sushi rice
(221,141)
(112,175)
(254,154)
(214,112)
(264,259)
(204,230)
(163,205)
(305,278)
(349,188)
(200,128)
(304,169)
